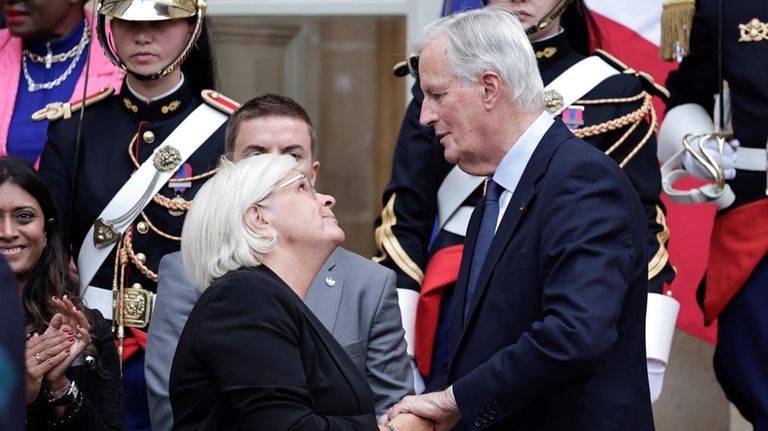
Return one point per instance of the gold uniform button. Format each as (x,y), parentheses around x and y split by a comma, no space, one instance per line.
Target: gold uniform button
(141,257)
(142,227)
(148,137)
(136,286)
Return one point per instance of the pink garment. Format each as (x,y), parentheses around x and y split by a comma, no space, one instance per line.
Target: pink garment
(103,74)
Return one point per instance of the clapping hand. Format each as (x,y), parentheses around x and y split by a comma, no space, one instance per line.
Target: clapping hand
(44,353)
(70,320)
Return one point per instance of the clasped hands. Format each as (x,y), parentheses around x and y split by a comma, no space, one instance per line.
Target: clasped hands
(48,356)
(432,411)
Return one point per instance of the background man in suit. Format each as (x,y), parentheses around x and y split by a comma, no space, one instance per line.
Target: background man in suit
(547,327)
(354,298)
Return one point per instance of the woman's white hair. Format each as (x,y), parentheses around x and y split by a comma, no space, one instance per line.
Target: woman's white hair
(215,238)
(490,38)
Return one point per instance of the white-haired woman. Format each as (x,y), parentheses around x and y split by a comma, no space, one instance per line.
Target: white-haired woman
(252,355)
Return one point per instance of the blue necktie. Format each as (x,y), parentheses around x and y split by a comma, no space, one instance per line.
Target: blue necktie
(484,238)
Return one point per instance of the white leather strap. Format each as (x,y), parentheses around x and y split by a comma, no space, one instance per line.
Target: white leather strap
(99,299)
(580,79)
(459,221)
(455,189)
(672,171)
(572,85)
(751,159)
(186,138)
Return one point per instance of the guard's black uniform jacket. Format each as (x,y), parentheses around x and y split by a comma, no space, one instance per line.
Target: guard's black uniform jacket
(403,231)
(112,128)
(740,354)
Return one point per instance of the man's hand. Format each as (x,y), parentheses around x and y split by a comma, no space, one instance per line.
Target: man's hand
(727,162)
(439,407)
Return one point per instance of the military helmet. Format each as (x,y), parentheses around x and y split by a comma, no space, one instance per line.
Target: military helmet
(150,10)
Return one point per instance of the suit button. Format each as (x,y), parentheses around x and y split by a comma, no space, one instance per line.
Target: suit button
(148,137)
(141,257)
(136,286)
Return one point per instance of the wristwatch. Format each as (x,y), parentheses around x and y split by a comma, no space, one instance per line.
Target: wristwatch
(66,398)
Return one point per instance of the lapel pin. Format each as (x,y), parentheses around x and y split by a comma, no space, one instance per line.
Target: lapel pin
(330,282)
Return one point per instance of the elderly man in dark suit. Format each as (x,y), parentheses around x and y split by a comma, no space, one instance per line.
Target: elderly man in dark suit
(547,328)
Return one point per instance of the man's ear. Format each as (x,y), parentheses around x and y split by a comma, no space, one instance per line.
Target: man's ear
(491,85)
(255,220)
(313,173)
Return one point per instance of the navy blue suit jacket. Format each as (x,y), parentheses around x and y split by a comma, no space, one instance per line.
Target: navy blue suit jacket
(555,336)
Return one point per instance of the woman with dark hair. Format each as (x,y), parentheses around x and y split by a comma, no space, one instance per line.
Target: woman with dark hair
(125,177)
(73,375)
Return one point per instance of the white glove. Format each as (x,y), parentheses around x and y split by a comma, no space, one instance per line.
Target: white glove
(656,371)
(728,162)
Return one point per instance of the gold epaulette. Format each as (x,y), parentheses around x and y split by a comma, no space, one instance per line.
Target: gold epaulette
(57,110)
(402,69)
(649,84)
(219,101)
(676,24)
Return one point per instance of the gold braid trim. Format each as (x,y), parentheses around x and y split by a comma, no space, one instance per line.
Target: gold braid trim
(387,241)
(128,247)
(661,257)
(648,134)
(176,204)
(632,119)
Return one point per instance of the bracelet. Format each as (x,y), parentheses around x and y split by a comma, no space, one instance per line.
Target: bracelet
(60,392)
(391,427)
(68,396)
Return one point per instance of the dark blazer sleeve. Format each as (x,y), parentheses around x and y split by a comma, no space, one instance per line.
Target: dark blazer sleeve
(253,346)
(586,260)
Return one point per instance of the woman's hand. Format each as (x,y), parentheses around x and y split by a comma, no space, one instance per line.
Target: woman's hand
(73,322)
(43,353)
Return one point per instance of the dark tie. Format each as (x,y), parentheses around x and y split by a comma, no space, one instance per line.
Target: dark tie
(484,238)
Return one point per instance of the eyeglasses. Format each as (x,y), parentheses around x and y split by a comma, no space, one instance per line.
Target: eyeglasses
(298,178)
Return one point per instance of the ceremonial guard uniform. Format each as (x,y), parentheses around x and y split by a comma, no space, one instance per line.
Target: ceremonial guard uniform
(734,289)
(127,174)
(119,134)
(419,235)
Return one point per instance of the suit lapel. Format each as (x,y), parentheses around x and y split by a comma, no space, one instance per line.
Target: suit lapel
(515,211)
(324,297)
(344,363)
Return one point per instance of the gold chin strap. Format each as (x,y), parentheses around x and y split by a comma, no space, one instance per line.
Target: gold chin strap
(549,18)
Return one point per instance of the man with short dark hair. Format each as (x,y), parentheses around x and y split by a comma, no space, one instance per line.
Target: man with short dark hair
(354,298)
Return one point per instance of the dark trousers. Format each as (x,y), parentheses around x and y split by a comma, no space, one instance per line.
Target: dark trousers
(135,394)
(741,356)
